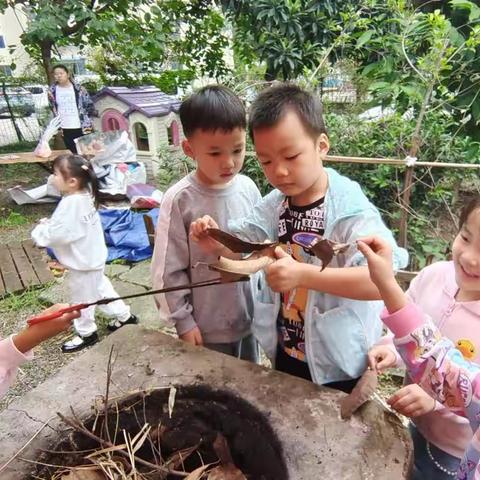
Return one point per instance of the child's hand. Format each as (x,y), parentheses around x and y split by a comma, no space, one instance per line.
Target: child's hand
(192,336)
(381,357)
(198,233)
(284,274)
(378,253)
(412,401)
(36,334)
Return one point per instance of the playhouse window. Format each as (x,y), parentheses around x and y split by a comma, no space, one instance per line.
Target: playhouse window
(172,134)
(141,137)
(113,124)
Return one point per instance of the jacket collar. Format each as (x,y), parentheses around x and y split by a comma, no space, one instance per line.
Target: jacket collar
(450,289)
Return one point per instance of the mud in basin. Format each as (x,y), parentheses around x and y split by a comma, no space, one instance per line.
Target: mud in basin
(206,427)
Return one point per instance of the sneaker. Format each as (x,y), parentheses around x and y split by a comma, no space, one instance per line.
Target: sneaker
(78,343)
(116,324)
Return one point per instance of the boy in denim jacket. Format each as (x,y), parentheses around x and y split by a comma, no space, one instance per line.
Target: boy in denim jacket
(314,324)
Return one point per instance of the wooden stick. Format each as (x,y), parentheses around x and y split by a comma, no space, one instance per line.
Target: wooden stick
(398,162)
(80,428)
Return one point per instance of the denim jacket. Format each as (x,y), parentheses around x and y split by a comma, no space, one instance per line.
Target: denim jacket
(85,105)
(338,331)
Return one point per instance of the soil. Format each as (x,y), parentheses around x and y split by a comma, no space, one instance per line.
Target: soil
(217,424)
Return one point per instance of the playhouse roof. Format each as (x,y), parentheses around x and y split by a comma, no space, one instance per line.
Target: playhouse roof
(148,100)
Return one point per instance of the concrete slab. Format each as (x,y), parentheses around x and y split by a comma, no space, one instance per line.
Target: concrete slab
(317,443)
(57,293)
(139,275)
(114,270)
(143,307)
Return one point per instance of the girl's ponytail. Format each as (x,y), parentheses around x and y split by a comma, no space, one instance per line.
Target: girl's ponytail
(93,181)
(73,165)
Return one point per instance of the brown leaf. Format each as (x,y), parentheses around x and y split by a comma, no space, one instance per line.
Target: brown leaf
(226,472)
(235,244)
(198,472)
(83,473)
(360,394)
(241,268)
(220,445)
(326,249)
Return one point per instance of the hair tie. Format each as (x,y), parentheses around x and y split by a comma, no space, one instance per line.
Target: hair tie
(84,167)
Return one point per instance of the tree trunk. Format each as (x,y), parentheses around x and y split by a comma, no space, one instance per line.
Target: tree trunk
(46,49)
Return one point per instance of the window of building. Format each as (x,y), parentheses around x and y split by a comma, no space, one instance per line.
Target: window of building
(76,66)
(2,41)
(5,70)
(141,137)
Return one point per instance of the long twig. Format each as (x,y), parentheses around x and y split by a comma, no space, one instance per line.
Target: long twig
(80,427)
(107,390)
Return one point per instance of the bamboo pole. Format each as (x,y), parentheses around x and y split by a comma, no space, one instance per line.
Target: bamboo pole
(395,162)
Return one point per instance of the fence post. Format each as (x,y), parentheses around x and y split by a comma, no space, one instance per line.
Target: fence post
(10,111)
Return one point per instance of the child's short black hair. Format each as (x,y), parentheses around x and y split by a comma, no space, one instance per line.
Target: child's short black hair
(273,103)
(211,108)
(73,165)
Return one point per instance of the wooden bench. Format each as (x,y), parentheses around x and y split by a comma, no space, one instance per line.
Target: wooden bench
(28,157)
(21,267)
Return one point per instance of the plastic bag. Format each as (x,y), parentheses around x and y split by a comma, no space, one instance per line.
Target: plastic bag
(43,148)
(107,147)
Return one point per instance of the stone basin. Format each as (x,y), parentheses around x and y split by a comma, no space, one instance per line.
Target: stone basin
(305,418)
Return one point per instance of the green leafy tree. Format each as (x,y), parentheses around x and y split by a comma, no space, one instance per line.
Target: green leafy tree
(133,39)
(180,41)
(56,23)
(290,36)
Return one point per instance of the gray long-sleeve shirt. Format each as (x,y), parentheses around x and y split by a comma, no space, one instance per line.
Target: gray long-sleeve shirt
(223,313)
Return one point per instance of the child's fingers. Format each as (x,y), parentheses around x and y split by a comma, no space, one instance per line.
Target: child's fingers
(401,398)
(198,337)
(373,244)
(372,361)
(365,250)
(280,253)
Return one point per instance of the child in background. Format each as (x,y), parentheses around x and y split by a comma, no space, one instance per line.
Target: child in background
(218,317)
(16,349)
(74,233)
(432,361)
(319,328)
(449,293)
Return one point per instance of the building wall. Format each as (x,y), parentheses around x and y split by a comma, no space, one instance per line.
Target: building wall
(12,23)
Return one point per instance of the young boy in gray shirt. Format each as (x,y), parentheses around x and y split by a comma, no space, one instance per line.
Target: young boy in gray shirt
(218,317)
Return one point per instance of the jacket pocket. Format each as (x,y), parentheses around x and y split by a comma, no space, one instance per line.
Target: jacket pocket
(265,311)
(339,344)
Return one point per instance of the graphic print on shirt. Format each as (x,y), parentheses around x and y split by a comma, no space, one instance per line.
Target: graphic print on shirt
(67,107)
(467,347)
(298,228)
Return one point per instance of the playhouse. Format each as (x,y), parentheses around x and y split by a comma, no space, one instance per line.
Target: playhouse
(148,115)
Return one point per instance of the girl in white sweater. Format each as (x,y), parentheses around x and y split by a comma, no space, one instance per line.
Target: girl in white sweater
(74,233)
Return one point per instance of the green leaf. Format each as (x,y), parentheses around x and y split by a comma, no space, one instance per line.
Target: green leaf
(364,38)
(466,5)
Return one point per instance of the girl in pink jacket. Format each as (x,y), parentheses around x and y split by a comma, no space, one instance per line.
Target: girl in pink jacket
(17,349)
(449,293)
(432,361)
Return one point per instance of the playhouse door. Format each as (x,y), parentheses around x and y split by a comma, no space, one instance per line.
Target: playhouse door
(113,120)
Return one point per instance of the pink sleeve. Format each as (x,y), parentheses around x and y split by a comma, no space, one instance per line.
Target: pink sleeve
(10,360)
(388,338)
